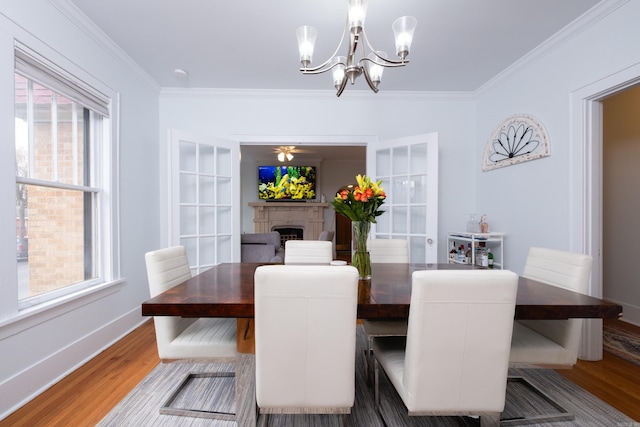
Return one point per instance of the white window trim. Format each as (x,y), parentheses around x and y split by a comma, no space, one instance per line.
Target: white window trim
(14,320)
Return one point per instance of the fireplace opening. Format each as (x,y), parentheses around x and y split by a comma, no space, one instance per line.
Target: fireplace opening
(289,233)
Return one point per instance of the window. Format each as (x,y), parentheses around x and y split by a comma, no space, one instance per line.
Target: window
(61,137)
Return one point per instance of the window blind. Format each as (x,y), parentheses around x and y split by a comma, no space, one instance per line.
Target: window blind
(44,72)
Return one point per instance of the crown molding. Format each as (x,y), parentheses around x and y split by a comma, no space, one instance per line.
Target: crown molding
(580,24)
(174,92)
(87,26)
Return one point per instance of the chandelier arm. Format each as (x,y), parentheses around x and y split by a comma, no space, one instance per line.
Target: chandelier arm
(320,68)
(388,62)
(367,77)
(343,84)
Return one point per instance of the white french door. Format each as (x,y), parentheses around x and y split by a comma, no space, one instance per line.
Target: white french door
(408,168)
(204,199)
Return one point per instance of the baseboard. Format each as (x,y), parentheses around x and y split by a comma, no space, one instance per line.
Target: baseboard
(29,383)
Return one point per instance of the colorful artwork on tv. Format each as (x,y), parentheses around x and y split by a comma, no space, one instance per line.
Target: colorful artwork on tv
(286,182)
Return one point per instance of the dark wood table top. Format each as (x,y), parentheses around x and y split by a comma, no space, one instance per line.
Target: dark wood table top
(226,290)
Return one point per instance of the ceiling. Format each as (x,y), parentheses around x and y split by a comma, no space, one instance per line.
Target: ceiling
(241,44)
(458,46)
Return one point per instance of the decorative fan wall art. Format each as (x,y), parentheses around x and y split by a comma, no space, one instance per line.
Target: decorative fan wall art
(517,139)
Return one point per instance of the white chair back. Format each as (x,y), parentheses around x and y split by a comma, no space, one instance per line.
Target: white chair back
(458,340)
(566,270)
(389,250)
(305,331)
(308,252)
(185,338)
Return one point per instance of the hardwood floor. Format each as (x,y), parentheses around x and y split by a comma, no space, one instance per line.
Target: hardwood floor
(88,394)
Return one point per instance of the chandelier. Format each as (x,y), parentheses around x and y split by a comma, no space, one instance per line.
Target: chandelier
(357,61)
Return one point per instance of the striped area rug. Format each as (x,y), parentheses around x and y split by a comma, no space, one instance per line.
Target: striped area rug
(621,342)
(140,407)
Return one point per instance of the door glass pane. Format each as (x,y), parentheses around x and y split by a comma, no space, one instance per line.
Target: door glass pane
(207,191)
(418,189)
(223,191)
(188,157)
(224,248)
(207,251)
(383,222)
(399,194)
(188,220)
(207,220)
(224,220)
(383,163)
(188,186)
(207,159)
(223,163)
(418,219)
(399,217)
(400,160)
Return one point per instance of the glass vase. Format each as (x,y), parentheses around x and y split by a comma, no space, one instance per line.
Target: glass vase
(360,258)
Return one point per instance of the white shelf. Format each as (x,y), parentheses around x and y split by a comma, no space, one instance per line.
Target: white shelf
(493,241)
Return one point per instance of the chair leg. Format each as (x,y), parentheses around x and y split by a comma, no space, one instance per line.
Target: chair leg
(376,384)
(561,415)
(167,409)
(490,420)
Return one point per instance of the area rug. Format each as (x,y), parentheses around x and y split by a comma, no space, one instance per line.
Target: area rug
(141,407)
(621,342)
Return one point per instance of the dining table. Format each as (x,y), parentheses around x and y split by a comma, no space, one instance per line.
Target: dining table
(227,290)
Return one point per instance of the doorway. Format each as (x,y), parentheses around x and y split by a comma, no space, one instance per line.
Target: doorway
(585,188)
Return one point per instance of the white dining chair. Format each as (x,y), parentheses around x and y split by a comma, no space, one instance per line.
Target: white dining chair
(210,339)
(455,357)
(549,343)
(305,358)
(308,252)
(393,251)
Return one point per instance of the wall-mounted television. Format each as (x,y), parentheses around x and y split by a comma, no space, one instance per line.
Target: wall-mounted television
(292,183)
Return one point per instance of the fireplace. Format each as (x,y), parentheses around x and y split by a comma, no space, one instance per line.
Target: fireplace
(289,233)
(307,218)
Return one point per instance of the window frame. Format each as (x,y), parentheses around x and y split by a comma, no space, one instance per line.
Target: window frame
(105,169)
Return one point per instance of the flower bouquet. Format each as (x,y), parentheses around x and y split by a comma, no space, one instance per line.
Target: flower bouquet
(361,204)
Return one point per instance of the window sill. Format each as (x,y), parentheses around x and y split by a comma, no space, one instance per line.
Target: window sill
(33,316)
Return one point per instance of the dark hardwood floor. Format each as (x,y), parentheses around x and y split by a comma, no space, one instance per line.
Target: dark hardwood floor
(88,394)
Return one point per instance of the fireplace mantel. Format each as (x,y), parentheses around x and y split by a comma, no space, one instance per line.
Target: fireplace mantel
(268,216)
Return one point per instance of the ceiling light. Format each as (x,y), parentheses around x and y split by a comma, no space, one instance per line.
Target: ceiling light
(180,73)
(357,61)
(285,152)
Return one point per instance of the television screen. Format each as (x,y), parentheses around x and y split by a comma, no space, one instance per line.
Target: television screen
(287,182)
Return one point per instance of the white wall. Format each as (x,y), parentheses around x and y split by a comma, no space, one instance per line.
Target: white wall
(531,201)
(35,352)
(226,114)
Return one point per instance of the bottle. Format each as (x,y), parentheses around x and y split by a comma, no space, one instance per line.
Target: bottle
(484,226)
(453,252)
(484,258)
(467,255)
(489,258)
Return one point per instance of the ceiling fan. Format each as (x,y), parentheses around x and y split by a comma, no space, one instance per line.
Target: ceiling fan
(286,152)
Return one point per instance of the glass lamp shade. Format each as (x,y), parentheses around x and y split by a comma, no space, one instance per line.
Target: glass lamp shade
(306,41)
(357,12)
(375,70)
(281,156)
(337,65)
(403,29)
